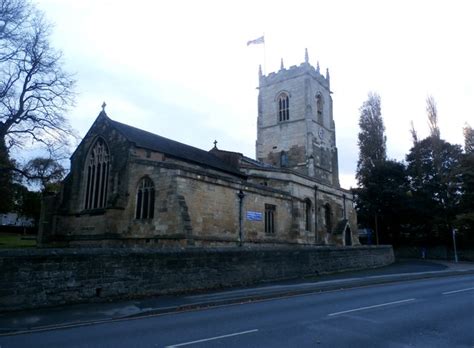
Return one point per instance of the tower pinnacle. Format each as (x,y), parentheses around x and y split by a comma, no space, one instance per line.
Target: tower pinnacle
(297,138)
(306,56)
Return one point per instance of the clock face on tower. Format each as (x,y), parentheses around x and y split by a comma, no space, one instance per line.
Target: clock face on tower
(321,133)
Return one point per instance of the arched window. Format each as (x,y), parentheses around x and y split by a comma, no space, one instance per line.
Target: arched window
(283,107)
(327,218)
(307,204)
(283,159)
(270,210)
(348,236)
(319,108)
(145,199)
(97,175)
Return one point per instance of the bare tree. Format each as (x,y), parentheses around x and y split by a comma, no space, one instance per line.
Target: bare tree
(432,111)
(468,139)
(35,91)
(47,171)
(414,134)
(12,23)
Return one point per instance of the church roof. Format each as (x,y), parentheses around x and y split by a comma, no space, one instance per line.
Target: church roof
(173,148)
(256,163)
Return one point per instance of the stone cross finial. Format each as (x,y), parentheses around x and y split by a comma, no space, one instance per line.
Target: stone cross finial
(103,106)
(215,144)
(306,56)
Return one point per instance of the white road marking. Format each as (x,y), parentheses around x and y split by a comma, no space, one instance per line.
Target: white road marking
(212,338)
(369,307)
(455,291)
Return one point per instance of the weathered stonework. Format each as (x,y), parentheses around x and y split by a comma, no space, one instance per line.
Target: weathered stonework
(211,198)
(308,137)
(51,277)
(304,188)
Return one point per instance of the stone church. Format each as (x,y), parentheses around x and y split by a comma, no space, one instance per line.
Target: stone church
(130,187)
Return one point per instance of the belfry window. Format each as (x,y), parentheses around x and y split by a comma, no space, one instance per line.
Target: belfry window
(283,107)
(97,175)
(319,108)
(145,199)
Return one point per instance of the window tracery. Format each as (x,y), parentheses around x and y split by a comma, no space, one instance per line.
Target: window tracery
(283,107)
(97,175)
(145,203)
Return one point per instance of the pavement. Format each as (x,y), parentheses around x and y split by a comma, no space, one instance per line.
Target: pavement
(93,313)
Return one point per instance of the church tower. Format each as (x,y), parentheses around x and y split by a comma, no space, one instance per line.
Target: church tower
(295,126)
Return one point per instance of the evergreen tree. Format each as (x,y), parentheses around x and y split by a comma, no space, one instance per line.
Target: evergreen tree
(384,194)
(6,180)
(435,184)
(26,203)
(371,139)
(372,154)
(465,218)
(433,167)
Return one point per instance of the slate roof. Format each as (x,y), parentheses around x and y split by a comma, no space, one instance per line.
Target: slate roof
(173,148)
(257,163)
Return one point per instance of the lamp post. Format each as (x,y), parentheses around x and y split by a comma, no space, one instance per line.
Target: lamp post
(316,235)
(454,245)
(241,196)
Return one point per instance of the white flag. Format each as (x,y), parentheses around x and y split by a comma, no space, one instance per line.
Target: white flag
(260,40)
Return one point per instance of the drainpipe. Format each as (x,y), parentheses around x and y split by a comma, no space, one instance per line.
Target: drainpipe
(344,202)
(241,196)
(316,213)
(345,218)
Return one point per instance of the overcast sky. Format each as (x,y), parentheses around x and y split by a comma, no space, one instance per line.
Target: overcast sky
(182,69)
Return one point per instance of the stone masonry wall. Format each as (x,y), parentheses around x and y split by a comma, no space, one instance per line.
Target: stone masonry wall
(306,135)
(49,277)
(304,188)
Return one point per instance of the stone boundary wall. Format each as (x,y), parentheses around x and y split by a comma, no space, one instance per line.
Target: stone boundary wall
(434,253)
(49,277)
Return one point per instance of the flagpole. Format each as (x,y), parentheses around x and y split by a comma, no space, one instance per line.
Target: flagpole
(264,56)
(258,41)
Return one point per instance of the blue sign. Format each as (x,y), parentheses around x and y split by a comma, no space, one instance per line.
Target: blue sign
(254,216)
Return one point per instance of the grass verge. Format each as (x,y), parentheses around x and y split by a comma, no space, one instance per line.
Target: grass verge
(11,240)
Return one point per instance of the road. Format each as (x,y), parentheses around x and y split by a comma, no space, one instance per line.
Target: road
(435,312)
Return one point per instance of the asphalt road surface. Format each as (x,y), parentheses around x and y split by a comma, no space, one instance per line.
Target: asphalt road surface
(435,312)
